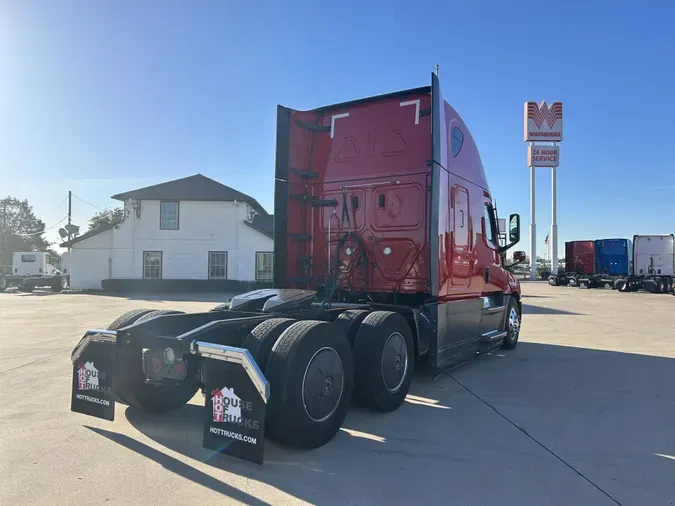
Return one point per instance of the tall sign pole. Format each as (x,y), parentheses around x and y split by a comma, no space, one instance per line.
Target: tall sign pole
(554,219)
(544,124)
(533,225)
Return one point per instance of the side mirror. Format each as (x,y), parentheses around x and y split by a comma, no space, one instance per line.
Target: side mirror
(514,228)
(519,256)
(514,232)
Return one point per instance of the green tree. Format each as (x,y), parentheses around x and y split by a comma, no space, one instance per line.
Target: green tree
(54,258)
(20,229)
(106,218)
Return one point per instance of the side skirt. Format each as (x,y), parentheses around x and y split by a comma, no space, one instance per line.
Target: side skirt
(452,330)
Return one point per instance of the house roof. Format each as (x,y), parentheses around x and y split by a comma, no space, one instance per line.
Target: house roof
(195,187)
(263,223)
(87,235)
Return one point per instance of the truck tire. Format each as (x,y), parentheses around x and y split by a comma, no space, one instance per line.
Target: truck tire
(3,284)
(132,389)
(348,323)
(59,283)
(512,325)
(128,318)
(384,361)
(651,285)
(311,375)
(261,339)
(26,287)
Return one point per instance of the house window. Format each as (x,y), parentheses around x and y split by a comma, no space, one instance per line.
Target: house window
(217,264)
(168,215)
(152,265)
(264,262)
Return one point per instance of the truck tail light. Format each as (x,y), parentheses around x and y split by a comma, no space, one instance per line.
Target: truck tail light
(157,364)
(180,369)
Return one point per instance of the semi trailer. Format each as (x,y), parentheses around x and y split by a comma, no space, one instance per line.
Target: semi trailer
(387,257)
(32,269)
(653,265)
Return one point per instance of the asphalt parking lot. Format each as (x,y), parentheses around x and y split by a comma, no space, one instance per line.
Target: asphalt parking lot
(582,412)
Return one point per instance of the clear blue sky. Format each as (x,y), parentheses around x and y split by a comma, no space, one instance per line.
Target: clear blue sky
(101,97)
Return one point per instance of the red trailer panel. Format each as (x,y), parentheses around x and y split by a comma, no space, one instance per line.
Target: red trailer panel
(580,257)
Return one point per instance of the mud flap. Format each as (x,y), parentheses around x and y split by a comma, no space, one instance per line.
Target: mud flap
(235,409)
(93,387)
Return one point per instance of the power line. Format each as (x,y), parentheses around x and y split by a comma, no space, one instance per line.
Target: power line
(88,203)
(48,228)
(62,202)
(26,221)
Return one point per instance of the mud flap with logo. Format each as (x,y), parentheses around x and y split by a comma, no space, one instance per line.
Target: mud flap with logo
(234,414)
(93,387)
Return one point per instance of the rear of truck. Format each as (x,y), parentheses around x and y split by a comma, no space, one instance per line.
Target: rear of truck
(613,260)
(580,257)
(613,257)
(351,217)
(580,260)
(653,263)
(356,238)
(351,198)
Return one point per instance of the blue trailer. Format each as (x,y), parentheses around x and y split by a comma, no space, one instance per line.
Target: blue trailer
(613,260)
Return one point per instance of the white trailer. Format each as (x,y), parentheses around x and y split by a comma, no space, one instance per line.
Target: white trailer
(32,269)
(653,265)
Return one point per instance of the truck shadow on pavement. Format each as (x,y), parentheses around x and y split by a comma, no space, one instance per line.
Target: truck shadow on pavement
(606,414)
(34,293)
(530,309)
(180,468)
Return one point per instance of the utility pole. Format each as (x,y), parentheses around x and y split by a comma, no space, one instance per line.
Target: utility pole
(70,260)
(70,207)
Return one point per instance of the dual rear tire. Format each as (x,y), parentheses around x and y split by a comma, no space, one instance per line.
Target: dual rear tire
(311,374)
(384,356)
(316,369)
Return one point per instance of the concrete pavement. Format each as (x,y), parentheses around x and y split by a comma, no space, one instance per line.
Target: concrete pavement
(582,412)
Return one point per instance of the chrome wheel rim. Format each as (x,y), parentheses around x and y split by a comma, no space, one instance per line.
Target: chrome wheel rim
(323,384)
(514,324)
(394,363)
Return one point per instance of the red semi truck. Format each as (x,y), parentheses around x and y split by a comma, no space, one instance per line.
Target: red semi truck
(386,254)
(579,263)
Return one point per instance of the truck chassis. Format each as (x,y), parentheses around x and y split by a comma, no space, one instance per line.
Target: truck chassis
(292,363)
(29,283)
(649,283)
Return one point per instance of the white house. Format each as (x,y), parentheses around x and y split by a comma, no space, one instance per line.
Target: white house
(192,228)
